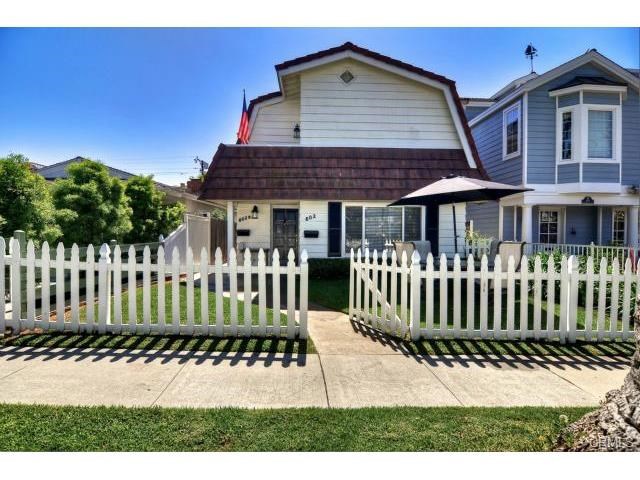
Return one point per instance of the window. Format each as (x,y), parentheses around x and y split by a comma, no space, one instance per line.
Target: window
(619,230)
(548,226)
(566,135)
(353,228)
(511,132)
(601,134)
(381,226)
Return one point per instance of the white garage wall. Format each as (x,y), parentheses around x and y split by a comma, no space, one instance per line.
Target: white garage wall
(314,215)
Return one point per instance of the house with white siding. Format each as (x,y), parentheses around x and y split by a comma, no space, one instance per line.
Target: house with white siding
(572,135)
(348,132)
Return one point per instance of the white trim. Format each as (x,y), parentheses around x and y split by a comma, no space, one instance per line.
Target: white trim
(588,187)
(589,88)
(559,113)
(616,134)
(505,112)
(599,235)
(525,137)
(590,56)
(477,103)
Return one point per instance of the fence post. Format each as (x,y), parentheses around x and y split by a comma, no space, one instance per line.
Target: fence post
(21,237)
(304,290)
(15,287)
(104,289)
(3,252)
(351,267)
(415,296)
(572,308)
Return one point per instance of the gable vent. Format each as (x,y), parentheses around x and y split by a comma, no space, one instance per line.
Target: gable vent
(346,76)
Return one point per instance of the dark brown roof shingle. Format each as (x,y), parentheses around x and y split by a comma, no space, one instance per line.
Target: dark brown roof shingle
(248,172)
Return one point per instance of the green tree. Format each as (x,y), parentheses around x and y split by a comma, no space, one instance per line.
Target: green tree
(25,201)
(91,206)
(151,216)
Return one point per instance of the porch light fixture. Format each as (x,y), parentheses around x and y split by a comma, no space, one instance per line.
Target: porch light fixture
(588,201)
(296,131)
(254,212)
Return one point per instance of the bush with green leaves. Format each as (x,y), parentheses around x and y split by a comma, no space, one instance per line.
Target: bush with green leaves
(25,201)
(151,216)
(91,205)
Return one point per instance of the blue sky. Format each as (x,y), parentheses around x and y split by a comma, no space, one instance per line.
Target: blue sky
(150,100)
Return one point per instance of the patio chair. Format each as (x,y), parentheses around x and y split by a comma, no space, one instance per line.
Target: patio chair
(511,249)
(422,247)
(494,245)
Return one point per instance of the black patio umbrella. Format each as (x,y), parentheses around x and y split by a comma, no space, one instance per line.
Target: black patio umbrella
(457,189)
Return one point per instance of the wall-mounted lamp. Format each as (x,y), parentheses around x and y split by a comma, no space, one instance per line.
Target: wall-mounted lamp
(573,230)
(588,201)
(254,212)
(296,131)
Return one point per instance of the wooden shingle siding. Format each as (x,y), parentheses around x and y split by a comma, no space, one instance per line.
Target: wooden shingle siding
(488,136)
(375,109)
(246,172)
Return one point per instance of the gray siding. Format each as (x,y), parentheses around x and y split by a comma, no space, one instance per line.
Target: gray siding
(488,137)
(485,218)
(631,139)
(569,173)
(507,223)
(584,222)
(472,112)
(542,124)
(567,100)
(599,98)
(601,172)
(607,225)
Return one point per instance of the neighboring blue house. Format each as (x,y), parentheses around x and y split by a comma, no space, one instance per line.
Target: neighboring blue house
(572,135)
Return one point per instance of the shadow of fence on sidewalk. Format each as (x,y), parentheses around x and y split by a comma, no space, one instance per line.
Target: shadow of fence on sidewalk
(504,353)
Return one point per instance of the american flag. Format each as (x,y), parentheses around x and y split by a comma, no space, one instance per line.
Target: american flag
(243,129)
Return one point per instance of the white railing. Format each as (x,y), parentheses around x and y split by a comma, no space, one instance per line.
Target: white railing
(478,247)
(113,276)
(591,250)
(556,302)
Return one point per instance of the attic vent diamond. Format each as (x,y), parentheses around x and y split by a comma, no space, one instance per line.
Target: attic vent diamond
(347,76)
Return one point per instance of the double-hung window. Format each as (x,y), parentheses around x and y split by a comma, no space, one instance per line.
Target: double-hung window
(377,227)
(511,132)
(566,138)
(600,133)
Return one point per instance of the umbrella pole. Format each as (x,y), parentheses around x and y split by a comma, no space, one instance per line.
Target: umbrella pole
(455,230)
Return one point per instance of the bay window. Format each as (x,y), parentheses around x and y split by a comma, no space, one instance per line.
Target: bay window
(567,138)
(377,227)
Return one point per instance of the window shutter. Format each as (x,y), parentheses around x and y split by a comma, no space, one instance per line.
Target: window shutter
(335,229)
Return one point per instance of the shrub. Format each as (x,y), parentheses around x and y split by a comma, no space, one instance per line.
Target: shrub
(328,268)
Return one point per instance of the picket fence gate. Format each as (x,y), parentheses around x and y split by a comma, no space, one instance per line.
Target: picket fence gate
(388,296)
(113,317)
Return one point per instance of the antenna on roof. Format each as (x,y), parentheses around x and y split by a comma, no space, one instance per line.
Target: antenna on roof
(531,52)
(201,164)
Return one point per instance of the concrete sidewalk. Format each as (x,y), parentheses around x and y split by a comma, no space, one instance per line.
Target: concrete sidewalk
(354,368)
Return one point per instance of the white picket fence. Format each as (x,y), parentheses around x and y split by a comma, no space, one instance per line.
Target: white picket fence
(400,299)
(106,275)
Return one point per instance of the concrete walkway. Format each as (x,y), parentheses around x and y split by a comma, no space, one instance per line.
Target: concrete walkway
(355,367)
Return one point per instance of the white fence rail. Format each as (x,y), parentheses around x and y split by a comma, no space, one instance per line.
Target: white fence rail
(591,250)
(558,302)
(158,301)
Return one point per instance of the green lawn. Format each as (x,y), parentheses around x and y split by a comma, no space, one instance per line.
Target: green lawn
(170,342)
(47,428)
(334,294)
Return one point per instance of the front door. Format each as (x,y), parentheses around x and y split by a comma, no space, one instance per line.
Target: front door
(285,231)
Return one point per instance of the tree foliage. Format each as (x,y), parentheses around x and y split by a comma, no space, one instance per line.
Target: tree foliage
(91,206)
(151,216)
(25,201)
